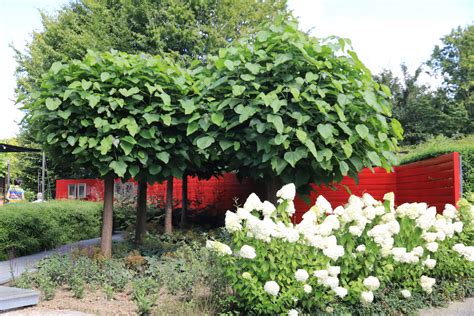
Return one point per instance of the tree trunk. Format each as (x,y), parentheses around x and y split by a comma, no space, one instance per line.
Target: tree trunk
(272,185)
(184,202)
(140,227)
(107,217)
(169,207)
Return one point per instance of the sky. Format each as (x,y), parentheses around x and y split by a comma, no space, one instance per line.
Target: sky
(384,33)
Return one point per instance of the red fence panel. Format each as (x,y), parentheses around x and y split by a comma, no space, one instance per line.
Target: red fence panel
(436,181)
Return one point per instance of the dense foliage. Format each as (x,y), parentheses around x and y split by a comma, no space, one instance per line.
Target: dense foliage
(149,26)
(27,228)
(346,256)
(441,145)
(116,113)
(289,105)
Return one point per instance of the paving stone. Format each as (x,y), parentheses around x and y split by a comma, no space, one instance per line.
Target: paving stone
(12,297)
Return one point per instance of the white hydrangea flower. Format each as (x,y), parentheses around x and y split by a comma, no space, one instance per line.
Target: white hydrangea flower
(272,288)
(290,208)
(371,283)
(360,248)
(221,248)
(340,291)
(287,192)
(432,246)
(232,222)
(247,252)
(449,211)
(368,200)
(334,270)
(292,312)
(405,293)
(429,237)
(427,283)
(458,226)
(268,208)
(243,214)
(307,288)
(246,275)
(418,251)
(356,202)
(301,275)
(429,263)
(253,203)
(366,297)
(323,204)
(356,230)
(466,252)
(334,252)
(331,282)
(321,274)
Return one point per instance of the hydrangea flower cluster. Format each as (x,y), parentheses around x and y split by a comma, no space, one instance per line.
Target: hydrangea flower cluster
(328,239)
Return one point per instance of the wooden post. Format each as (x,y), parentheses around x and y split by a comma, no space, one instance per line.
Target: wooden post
(43,171)
(140,225)
(169,206)
(107,218)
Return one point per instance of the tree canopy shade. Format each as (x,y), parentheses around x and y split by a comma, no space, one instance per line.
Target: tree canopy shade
(304,109)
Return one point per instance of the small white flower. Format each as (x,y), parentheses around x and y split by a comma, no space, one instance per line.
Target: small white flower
(272,288)
(406,293)
(321,274)
(390,197)
(253,203)
(427,283)
(366,297)
(449,211)
(221,248)
(247,252)
(334,270)
(458,226)
(371,283)
(417,251)
(246,276)
(292,312)
(287,192)
(232,222)
(301,275)
(307,288)
(334,252)
(331,282)
(323,204)
(290,208)
(432,246)
(360,248)
(340,291)
(429,263)
(268,208)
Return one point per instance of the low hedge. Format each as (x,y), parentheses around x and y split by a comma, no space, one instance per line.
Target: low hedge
(442,145)
(27,228)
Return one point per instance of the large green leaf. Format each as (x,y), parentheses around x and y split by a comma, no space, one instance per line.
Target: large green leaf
(276,121)
(52,103)
(325,130)
(362,130)
(119,167)
(204,142)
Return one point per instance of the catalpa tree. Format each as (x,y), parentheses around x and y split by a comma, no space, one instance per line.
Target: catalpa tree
(288,107)
(118,114)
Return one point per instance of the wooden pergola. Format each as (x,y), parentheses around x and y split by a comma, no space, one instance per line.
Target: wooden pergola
(6,148)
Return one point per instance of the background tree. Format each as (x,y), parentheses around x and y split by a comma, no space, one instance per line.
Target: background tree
(454,61)
(289,107)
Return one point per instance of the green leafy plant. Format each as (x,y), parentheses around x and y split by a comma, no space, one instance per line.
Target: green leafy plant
(108,291)
(352,255)
(28,228)
(287,105)
(76,284)
(145,293)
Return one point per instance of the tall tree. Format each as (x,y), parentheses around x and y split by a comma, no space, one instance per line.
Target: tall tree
(454,61)
(183,28)
(289,107)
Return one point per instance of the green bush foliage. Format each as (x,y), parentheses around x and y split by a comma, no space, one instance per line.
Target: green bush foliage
(442,145)
(27,228)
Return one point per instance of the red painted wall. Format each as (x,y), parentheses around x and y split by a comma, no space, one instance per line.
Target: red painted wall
(435,181)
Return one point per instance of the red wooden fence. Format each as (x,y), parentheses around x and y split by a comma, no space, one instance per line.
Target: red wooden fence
(436,181)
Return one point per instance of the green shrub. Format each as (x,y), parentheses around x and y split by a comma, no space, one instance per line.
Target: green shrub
(442,145)
(27,228)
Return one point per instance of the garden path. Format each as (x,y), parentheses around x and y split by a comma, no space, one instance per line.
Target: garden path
(17,266)
(464,308)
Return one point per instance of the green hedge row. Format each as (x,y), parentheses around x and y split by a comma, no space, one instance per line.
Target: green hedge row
(442,145)
(26,228)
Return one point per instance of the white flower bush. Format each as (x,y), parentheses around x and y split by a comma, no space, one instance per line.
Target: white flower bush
(344,254)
